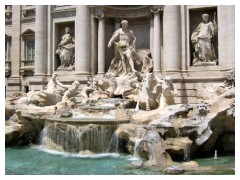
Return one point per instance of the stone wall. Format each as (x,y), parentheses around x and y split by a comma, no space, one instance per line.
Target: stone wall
(183,74)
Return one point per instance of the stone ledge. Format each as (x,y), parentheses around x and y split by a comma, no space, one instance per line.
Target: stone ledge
(14,81)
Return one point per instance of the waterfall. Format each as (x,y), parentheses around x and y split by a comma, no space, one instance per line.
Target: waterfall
(187,153)
(177,132)
(215,155)
(75,139)
(137,143)
(114,143)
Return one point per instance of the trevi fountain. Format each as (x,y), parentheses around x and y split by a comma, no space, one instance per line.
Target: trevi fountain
(125,121)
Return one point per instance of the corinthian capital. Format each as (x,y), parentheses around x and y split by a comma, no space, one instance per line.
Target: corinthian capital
(157,10)
(100,17)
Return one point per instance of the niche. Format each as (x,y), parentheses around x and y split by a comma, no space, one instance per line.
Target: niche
(195,18)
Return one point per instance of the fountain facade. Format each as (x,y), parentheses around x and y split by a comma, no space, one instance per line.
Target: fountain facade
(131,108)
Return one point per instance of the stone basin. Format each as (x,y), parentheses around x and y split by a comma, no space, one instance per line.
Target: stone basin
(84,121)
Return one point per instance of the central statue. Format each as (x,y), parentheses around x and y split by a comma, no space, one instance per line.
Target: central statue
(127,70)
(127,59)
(124,41)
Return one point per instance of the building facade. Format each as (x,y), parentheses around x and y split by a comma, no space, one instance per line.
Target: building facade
(33,34)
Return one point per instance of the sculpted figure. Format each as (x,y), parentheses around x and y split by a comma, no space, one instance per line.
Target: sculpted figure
(156,93)
(51,87)
(66,50)
(150,93)
(51,95)
(127,59)
(127,68)
(71,92)
(168,92)
(124,41)
(202,40)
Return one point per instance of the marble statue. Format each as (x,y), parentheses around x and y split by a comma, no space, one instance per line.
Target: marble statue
(169,90)
(71,92)
(51,87)
(51,95)
(127,68)
(202,40)
(156,93)
(150,93)
(66,51)
(127,58)
(124,47)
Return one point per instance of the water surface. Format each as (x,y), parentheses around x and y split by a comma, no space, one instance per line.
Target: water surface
(36,161)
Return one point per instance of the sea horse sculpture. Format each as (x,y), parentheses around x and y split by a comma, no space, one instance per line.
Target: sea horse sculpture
(149,94)
(155,93)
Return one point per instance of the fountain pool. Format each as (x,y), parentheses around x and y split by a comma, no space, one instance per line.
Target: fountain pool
(34,160)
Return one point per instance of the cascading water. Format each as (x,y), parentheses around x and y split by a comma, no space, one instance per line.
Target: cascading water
(77,139)
(187,153)
(215,155)
(114,143)
(137,143)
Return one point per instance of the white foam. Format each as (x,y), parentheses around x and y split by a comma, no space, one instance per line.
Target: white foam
(67,154)
(133,158)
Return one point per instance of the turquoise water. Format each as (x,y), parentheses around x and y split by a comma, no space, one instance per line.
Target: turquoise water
(36,161)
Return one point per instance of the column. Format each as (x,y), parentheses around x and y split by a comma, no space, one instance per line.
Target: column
(94,48)
(172,38)
(184,39)
(41,40)
(82,39)
(101,45)
(50,43)
(151,35)
(15,50)
(226,35)
(14,82)
(156,40)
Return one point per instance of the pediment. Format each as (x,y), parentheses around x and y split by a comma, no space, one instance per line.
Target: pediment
(28,31)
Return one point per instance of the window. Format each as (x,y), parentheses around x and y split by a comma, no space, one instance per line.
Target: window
(30,47)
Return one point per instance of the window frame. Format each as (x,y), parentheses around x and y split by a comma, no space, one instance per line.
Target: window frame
(32,54)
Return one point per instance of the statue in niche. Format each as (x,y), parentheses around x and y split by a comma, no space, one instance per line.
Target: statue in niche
(66,51)
(202,39)
(127,68)
(128,60)
(125,47)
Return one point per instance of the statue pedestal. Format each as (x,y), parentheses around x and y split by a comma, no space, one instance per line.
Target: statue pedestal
(212,63)
(69,68)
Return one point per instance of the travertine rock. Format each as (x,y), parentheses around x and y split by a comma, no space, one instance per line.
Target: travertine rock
(22,131)
(153,145)
(174,170)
